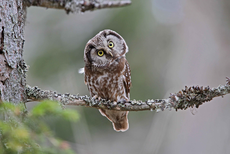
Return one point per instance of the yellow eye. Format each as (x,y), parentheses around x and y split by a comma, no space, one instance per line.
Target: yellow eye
(111,45)
(100,53)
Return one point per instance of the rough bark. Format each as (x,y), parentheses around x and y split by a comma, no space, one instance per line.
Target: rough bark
(12,66)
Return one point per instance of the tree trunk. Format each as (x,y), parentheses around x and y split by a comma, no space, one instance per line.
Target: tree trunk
(12,66)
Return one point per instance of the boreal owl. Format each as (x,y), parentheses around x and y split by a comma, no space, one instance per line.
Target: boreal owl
(107,73)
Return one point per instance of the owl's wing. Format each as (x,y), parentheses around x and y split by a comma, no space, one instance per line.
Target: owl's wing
(127,79)
(86,75)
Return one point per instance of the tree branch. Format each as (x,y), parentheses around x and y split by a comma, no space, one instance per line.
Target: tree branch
(77,5)
(188,97)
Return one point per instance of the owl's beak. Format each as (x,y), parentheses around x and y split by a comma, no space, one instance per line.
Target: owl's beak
(111,53)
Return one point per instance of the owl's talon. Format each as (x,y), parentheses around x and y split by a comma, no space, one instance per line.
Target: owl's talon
(95,97)
(113,104)
(123,101)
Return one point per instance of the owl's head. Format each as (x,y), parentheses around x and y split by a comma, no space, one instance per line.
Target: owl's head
(104,49)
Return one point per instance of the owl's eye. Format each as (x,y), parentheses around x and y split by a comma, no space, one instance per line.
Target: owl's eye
(100,53)
(111,45)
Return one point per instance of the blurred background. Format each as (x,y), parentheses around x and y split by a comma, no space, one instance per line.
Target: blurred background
(172,43)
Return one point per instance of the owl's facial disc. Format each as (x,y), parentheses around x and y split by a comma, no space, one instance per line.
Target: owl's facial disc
(106,48)
(99,56)
(115,43)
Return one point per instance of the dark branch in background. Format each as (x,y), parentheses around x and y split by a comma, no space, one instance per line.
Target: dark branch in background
(188,97)
(77,5)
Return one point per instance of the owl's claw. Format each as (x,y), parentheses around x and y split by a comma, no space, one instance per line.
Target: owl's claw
(123,101)
(95,97)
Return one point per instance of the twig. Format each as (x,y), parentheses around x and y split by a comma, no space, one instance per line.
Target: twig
(77,5)
(188,97)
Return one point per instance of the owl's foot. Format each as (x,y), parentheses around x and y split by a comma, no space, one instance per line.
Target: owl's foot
(95,97)
(123,101)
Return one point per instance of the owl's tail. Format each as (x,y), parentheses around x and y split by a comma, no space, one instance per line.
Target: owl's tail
(121,125)
(118,118)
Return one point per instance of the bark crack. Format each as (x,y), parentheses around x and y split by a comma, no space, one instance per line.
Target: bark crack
(2,40)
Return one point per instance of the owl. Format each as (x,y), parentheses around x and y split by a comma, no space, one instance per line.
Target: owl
(107,73)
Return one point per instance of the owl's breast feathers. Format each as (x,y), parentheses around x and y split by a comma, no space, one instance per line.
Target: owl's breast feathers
(112,83)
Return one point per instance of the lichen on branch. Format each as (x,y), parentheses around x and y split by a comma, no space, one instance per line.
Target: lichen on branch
(76,6)
(189,97)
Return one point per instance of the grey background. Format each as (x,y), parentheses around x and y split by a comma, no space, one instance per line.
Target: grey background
(172,43)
